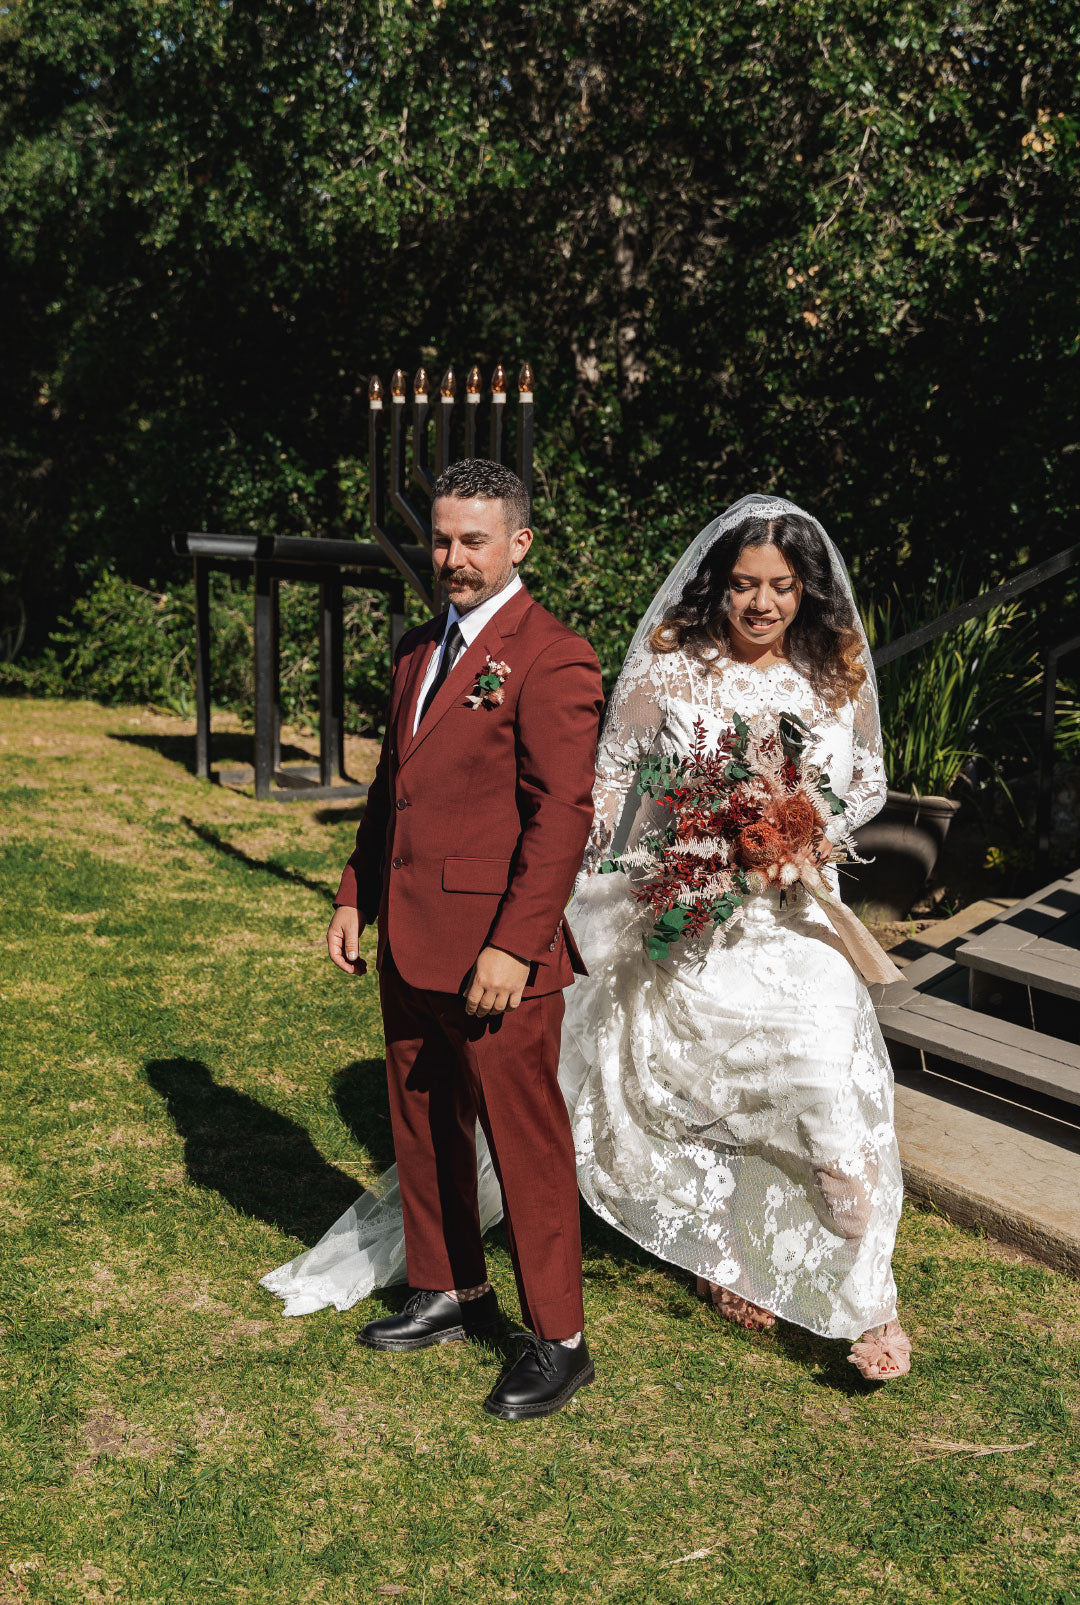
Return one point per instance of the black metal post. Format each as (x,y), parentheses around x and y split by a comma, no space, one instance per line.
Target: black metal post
(264,681)
(275,624)
(443,423)
(201,570)
(474,386)
(399,498)
(331,679)
(376,456)
(498,413)
(421,471)
(525,431)
(395,601)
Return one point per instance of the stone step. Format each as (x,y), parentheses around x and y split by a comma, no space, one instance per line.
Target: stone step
(1012,1053)
(986,1161)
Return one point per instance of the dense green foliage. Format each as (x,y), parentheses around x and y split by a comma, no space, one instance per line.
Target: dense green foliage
(125,642)
(825,248)
(968,701)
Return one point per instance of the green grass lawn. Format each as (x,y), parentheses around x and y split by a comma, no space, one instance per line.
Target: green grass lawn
(192,1093)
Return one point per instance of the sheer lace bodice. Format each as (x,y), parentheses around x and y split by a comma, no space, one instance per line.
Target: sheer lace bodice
(659,696)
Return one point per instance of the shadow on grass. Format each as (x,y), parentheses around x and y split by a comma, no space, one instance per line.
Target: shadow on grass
(339,815)
(362,1102)
(229,746)
(261,1162)
(214,839)
(826,1358)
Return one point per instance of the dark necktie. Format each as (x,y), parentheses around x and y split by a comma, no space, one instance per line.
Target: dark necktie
(453,641)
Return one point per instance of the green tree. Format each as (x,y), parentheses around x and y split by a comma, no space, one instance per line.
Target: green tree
(823,248)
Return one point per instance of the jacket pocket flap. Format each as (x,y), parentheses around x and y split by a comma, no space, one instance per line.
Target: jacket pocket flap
(476,875)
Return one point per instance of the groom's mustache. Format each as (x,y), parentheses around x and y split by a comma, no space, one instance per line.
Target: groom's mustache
(460,577)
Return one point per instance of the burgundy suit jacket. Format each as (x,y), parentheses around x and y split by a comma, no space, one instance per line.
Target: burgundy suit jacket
(476,826)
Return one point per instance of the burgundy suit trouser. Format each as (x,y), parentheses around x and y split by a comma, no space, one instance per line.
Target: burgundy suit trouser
(445,1070)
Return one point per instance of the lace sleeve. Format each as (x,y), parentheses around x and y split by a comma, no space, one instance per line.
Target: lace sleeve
(866,795)
(633,719)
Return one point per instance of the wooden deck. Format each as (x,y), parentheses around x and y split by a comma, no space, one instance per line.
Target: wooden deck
(983,1033)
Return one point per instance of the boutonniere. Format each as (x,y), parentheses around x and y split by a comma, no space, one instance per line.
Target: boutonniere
(488,692)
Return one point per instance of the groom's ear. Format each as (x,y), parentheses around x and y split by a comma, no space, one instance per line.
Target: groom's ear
(520,542)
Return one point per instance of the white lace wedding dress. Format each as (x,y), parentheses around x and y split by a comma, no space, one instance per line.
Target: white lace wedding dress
(732,1104)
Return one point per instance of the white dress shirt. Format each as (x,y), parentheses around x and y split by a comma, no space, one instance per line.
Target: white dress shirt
(470,624)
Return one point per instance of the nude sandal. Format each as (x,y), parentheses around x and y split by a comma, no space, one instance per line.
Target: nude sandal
(751,1317)
(883,1353)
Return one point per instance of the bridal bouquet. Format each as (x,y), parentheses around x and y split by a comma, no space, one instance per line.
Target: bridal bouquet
(745,815)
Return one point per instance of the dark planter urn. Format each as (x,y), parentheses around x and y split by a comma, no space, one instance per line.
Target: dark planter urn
(904,842)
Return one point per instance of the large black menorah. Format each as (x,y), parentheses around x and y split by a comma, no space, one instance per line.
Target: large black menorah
(399,519)
(449,431)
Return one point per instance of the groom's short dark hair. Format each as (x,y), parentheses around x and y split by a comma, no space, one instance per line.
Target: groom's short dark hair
(479,476)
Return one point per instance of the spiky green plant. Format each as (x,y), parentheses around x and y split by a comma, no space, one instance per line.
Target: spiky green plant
(950,702)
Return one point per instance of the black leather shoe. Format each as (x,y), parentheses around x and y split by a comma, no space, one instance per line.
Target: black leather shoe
(429,1318)
(543,1378)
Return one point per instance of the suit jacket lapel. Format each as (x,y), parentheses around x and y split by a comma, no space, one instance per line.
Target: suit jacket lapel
(462,677)
(414,679)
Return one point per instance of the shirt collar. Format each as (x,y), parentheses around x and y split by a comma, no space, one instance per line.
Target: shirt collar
(471,623)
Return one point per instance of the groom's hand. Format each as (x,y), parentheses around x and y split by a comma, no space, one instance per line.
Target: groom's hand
(496,983)
(343,941)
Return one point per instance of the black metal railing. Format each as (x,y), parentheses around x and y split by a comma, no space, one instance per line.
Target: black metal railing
(1028,579)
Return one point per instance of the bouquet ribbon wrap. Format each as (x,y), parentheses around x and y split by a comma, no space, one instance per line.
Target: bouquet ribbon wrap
(865,952)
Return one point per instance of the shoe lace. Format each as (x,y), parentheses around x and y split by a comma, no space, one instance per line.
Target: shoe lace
(418,1300)
(541,1352)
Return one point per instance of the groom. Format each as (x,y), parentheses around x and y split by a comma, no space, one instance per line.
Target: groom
(475,826)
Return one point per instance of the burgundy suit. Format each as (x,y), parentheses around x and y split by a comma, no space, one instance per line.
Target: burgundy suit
(473,832)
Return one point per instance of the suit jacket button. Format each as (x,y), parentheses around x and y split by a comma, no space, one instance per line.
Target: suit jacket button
(401,803)
(399,863)
(551,949)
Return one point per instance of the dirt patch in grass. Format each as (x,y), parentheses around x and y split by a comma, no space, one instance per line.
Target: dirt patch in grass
(105,1433)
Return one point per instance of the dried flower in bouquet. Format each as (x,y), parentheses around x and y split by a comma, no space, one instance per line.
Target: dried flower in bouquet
(743,815)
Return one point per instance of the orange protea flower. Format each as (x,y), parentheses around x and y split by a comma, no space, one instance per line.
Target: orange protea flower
(760,846)
(796,820)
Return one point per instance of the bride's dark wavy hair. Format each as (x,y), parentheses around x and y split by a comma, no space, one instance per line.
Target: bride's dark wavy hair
(823,639)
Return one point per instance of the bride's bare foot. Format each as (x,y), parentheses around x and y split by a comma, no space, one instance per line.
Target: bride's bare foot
(751,1317)
(882,1353)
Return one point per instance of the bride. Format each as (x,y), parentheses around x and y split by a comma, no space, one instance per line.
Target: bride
(732,1100)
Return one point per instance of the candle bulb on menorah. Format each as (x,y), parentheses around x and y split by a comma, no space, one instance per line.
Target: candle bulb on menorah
(375,393)
(399,385)
(498,412)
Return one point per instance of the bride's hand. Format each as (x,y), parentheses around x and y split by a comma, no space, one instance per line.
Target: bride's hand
(821,847)
(598,849)
(343,941)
